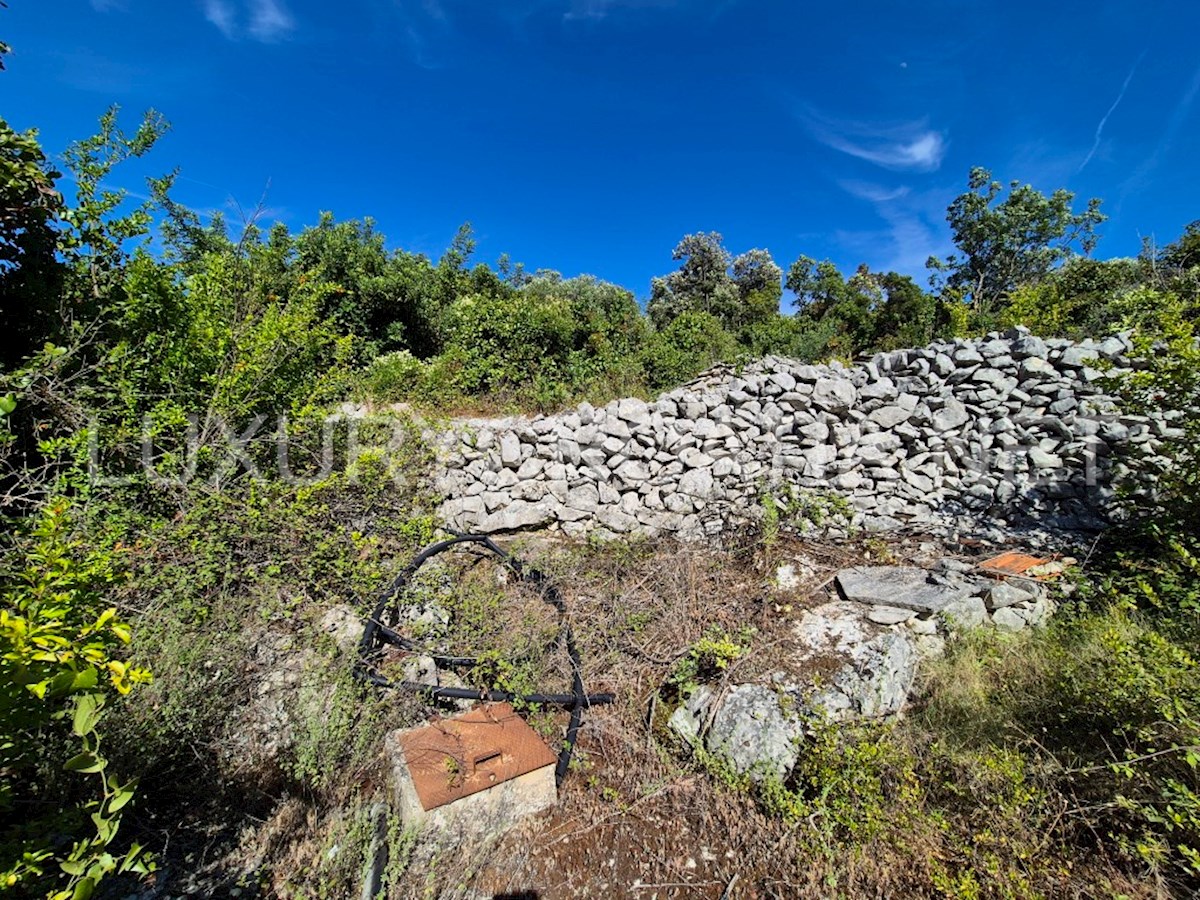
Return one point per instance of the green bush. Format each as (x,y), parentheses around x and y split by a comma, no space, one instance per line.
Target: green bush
(501,343)
(691,343)
(61,660)
(395,377)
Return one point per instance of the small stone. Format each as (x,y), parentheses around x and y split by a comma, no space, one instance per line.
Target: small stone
(1040,459)
(786,578)
(833,394)
(902,586)
(888,416)
(964,614)
(890,615)
(753,734)
(1007,594)
(1007,619)
(953,414)
(923,625)
(510,450)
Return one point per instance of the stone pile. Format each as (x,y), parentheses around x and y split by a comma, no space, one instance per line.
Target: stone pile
(1009,429)
(853,658)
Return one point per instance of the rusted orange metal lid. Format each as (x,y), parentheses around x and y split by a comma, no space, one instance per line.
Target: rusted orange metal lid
(1011,563)
(454,758)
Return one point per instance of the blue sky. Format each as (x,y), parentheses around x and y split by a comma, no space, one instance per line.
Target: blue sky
(590,135)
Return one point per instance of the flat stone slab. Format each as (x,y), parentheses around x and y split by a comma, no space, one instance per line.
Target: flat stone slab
(905,587)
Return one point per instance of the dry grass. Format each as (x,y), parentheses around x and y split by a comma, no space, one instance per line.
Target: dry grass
(637,816)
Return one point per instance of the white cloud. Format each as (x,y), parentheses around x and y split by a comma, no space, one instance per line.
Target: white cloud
(875,193)
(1111,110)
(221,14)
(270,20)
(1179,115)
(267,21)
(912,228)
(907,146)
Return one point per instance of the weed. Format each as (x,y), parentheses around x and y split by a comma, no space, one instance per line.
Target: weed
(707,658)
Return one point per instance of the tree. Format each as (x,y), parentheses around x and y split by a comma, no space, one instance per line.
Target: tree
(1178,265)
(30,274)
(1006,243)
(686,347)
(608,323)
(759,285)
(844,308)
(704,283)
(908,316)
(701,284)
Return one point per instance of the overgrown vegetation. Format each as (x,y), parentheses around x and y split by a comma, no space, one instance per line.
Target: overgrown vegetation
(183,496)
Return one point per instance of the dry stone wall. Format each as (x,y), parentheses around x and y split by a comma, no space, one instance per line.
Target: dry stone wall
(1000,432)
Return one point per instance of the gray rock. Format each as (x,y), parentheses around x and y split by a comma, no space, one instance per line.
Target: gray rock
(1040,459)
(634,411)
(833,394)
(1077,357)
(784,380)
(510,450)
(930,646)
(751,731)
(1005,593)
(531,468)
(517,516)
(344,625)
(923,625)
(694,459)
(633,471)
(889,615)
(953,414)
(1030,346)
(903,586)
(888,416)
(1007,619)
(696,483)
(689,717)
(1040,610)
(964,614)
(1037,369)
(878,389)
(815,431)
(874,668)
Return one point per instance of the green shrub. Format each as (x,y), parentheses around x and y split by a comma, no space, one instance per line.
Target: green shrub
(707,659)
(505,342)
(691,343)
(394,377)
(61,661)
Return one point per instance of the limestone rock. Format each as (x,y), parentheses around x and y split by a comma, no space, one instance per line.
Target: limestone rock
(874,667)
(751,731)
(902,586)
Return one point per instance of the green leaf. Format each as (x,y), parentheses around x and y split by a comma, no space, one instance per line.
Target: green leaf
(84,890)
(73,866)
(106,828)
(7,404)
(85,762)
(119,800)
(88,709)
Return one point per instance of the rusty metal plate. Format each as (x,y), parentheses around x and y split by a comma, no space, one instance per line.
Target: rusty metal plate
(454,758)
(1011,563)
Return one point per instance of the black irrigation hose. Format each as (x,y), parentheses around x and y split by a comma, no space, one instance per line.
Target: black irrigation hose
(376,635)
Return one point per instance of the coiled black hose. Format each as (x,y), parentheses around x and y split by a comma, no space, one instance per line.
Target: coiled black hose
(377,635)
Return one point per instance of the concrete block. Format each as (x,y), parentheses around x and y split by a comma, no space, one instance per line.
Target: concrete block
(479,773)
